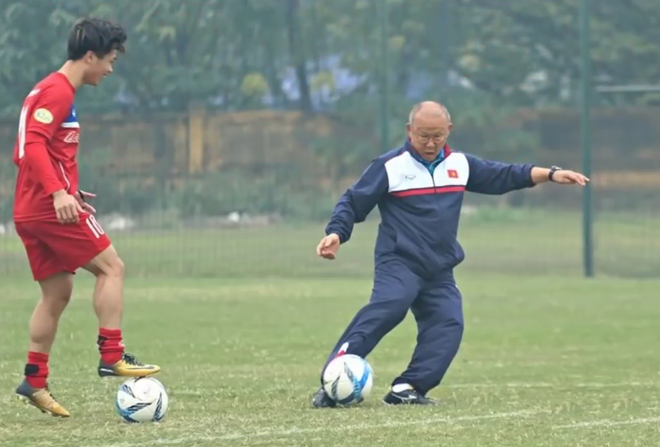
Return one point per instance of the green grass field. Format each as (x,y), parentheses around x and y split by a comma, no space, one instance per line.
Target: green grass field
(542,364)
(548,358)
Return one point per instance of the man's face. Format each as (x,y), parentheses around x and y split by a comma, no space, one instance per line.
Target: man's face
(98,67)
(429,133)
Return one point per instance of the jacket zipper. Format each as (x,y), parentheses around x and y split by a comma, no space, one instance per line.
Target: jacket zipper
(432,176)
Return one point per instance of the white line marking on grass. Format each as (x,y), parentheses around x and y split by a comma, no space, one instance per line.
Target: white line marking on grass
(553,385)
(608,423)
(194,392)
(283,432)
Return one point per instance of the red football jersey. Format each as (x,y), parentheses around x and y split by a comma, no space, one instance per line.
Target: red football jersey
(46,148)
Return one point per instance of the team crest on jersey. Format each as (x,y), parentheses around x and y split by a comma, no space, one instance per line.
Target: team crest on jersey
(43,116)
(71,121)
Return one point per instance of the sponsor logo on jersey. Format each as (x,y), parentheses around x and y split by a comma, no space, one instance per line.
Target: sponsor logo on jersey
(72,137)
(43,116)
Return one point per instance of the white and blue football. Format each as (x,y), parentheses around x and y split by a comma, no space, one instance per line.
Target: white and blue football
(142,399)
(348,379)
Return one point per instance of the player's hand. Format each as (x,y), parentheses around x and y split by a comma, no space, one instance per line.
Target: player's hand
(566,177)
(81,196)
(327,248)
(67,207)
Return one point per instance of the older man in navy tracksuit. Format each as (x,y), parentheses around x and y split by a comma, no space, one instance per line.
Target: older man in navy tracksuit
(419,190)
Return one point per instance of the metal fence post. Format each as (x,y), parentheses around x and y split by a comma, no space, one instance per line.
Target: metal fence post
(587,217)
(384,69)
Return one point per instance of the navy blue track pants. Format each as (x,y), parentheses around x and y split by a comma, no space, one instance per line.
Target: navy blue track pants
(437,307)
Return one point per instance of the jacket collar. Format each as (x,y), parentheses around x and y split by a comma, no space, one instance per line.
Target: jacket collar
(444,153)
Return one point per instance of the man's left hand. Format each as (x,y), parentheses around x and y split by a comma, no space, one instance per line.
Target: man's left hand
(566,177)
(81,196)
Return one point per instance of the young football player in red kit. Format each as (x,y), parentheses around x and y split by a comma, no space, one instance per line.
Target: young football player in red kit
(56,224)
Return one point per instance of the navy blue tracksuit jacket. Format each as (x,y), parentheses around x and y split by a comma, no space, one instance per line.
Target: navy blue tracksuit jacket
(417,249)
(420,203)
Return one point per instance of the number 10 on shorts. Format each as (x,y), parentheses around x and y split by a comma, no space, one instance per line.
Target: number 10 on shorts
(93,225)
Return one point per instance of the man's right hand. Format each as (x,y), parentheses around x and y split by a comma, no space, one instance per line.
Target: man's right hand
(327,248)
(66,206)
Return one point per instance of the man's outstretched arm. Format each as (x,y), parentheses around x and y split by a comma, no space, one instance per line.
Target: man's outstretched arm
(494,177)
(561,176)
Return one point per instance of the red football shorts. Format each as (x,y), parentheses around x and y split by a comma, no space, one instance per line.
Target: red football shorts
(53,247)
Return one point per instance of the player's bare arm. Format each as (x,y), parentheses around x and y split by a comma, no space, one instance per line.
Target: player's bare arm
(558,175)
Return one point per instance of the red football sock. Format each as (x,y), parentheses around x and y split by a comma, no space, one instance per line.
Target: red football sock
(36,369)
(111,345)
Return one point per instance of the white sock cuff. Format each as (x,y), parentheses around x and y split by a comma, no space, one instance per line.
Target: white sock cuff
(399,387)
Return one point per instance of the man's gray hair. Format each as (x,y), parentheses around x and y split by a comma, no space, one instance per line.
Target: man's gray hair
(418,106)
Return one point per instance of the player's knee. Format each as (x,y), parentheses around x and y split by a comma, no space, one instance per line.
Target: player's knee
(456,327)
(56,291)
(56,300)
(55,304)
(451,327)
(114,268)
(390,315)
(107,263)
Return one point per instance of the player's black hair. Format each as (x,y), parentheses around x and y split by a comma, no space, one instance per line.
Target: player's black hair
(97,35)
